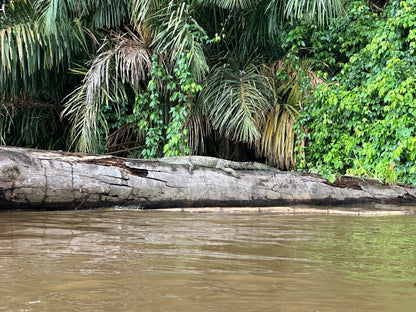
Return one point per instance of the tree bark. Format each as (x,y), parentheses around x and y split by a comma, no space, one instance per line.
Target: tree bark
(36,179)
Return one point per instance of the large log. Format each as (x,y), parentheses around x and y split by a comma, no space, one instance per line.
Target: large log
(36,179)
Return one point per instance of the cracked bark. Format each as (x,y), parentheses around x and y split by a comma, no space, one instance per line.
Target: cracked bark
(35,179)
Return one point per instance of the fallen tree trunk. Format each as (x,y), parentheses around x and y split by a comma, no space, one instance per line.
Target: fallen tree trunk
(36,179)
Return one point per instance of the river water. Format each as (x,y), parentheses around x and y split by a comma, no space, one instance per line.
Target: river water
(162,261)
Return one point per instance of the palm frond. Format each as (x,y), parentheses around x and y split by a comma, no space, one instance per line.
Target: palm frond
(86,120)
(94,13)
(126,61)
(250,35)
(125,141)
(129,60)
(234,4)
(278,137)
(20,50)
(277,143)
(178,32)
(198,128)
(320,11)
(275,11)
(29,122)
(31,57)
(51,11)
(109,14)
(237,101)
(142,9)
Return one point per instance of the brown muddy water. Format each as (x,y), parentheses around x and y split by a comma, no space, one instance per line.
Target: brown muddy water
(164,261)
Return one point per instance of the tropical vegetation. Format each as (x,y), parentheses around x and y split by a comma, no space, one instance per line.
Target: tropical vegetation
(362,121)
(323,86)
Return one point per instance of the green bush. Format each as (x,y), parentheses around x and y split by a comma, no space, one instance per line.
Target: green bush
(364,124)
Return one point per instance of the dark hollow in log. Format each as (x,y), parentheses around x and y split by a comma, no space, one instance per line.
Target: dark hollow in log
(37,179)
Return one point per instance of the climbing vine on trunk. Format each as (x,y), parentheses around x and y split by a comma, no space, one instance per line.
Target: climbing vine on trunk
(163,108)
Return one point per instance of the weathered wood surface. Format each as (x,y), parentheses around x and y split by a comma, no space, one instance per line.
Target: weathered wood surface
(36,179)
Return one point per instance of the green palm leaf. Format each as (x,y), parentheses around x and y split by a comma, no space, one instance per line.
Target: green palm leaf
(320,11)
(237,101)
(235,4)
(86,120)
(142,9)
(30,122)
(20,50)
(31,56)
(178,32)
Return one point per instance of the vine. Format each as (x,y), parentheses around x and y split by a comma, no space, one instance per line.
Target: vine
(163,118)
(363,125)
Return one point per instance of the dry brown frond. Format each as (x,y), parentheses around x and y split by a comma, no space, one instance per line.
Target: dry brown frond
(24,101)
(124,141)
(125,59)
(129,60)
(278,138)
(198,127)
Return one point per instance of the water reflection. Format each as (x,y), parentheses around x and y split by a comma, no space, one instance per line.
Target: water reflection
(149,261)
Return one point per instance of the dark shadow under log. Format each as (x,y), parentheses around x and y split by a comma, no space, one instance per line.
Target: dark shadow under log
(36,179)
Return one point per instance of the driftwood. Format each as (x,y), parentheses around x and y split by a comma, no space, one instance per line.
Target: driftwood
(36,179)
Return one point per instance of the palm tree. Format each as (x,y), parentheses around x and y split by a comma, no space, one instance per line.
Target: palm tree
(278,137)
(33,72)
(109,45)
(237,101)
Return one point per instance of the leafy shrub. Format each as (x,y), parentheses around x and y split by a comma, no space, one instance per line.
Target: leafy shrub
(364,124)
(332,46)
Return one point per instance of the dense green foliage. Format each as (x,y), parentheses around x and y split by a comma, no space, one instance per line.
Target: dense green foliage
(363,123)
(155,118)
(126,76)
(230,78)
